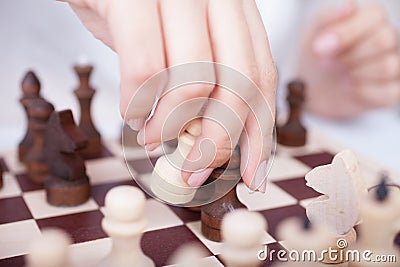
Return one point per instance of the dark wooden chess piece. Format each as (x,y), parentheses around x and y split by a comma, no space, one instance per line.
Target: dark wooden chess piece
(85,94)
(1,176)
(213,213)
(67,183)
(31,90)
(129,137)
(39,111)
(293,133)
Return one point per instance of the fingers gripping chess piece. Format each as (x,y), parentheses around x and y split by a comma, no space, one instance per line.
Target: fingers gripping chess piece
(380,215)
(49,250)
(242,232)
(167,183)
(124,222)
(343,187)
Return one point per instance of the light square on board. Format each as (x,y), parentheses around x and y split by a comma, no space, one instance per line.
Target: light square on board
(273,198)
(216,247)
(15,236)
(107,170)
(10,158)
(36,201)
(160,216)
(89,253)
(10,186)
(210,261)
(285,168)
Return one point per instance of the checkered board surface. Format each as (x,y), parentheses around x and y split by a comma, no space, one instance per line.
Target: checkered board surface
(24,211)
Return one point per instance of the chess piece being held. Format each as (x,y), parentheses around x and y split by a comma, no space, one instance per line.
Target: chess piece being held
(293,133)
(85,94)
(37,166)
(67,183)
(212,214)
(338,209)
(167,183)
(124,222)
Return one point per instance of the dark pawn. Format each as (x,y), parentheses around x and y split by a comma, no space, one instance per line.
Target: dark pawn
(213,213)
(382,191)
(85,94)
(1,176)
(31,90)
(39,111)
(293,133)
(67,183)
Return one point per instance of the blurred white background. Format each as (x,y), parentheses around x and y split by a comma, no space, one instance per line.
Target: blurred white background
(47,37)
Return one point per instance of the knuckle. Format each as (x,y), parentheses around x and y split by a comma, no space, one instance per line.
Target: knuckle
(388,39)
(139,74)
(391,66)
(197,90)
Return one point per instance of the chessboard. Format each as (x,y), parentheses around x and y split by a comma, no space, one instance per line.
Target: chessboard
(25,212)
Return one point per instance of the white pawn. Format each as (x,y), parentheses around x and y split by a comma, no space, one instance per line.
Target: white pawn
(124,222)
(242,233)
(304,240)
(380,215)
(189,255)
(50,250)
(167,183)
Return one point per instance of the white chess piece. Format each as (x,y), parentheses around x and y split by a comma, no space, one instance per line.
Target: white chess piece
(380,224)
(189,255)
(50,250)
(124,222)
(343,186)
(167,183)
(242,233)
(305,241)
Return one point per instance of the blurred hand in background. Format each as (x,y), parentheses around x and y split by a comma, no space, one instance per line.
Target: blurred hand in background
(350,60)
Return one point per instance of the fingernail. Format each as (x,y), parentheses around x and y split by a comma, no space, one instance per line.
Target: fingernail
(151,147)
(198,178)
(136,124)
(260,177)
(326,44)
(140,137)
(263,187)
